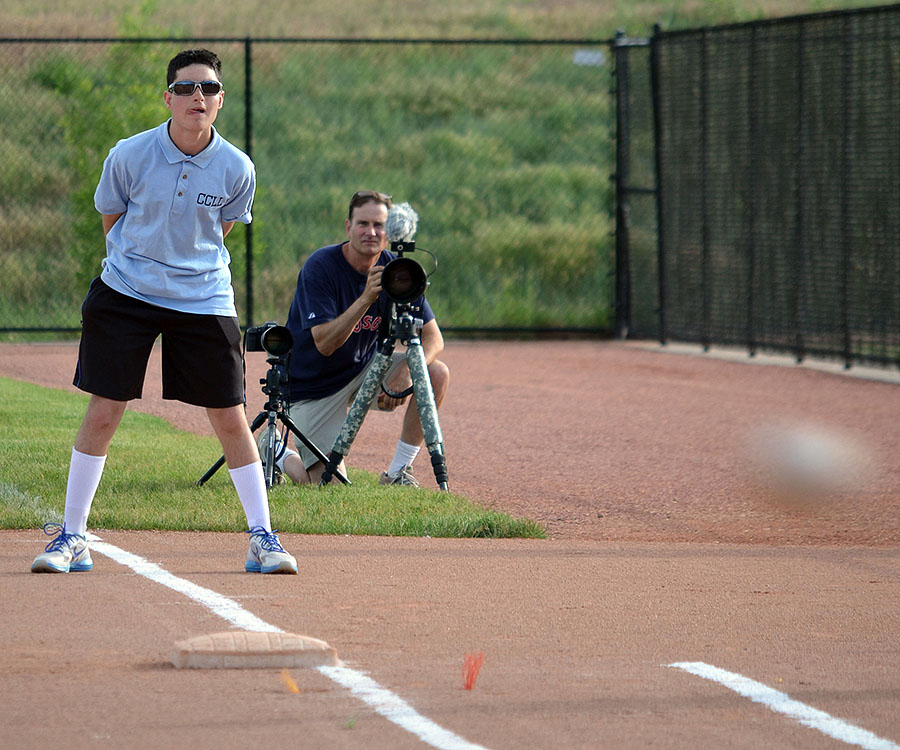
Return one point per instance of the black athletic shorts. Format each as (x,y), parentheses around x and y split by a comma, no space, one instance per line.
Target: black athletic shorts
(201,354)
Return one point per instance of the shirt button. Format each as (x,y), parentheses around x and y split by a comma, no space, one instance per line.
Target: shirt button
(180,193)
(184,177)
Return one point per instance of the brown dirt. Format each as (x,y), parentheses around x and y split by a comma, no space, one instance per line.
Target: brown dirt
(662,549)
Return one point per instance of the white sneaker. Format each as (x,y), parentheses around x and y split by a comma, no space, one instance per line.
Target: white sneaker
(66,553)
(266,555)
(403,477)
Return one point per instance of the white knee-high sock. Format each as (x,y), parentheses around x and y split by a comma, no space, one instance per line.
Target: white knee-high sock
(250,483)
(403,456)
(84,478)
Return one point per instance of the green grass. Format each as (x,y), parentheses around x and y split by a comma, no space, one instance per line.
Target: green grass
(504,152)
(150,483)
(515,19)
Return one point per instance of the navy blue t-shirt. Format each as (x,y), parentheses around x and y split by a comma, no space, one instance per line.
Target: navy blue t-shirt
(326,287)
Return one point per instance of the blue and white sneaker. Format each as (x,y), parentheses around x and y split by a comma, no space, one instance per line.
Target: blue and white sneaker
(266,555)
(67,553)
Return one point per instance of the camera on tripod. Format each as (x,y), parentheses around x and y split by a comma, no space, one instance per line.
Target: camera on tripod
(403,279)
(277,342)
(271,338)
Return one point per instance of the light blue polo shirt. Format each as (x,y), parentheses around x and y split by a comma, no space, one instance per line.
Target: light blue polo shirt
(167,248)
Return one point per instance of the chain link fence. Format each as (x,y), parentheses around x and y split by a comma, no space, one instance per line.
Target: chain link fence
(777,154)
(504,149)
(756,199)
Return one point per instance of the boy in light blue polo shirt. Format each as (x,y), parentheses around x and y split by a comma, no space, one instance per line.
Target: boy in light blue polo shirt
(168,247)
(168,197)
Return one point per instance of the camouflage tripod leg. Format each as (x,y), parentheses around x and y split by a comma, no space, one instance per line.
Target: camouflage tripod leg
(368,390)
(434,440)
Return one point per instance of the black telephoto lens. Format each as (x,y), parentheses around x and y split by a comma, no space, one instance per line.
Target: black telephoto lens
(277,341)
(404,280)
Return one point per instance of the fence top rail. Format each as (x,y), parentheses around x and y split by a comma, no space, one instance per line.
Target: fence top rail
(623,40)
(303,40)
(782,20)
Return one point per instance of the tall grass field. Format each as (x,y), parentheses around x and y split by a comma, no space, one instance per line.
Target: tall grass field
(505,150)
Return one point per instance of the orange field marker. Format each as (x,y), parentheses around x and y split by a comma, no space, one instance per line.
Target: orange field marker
(289,681)
(471,667)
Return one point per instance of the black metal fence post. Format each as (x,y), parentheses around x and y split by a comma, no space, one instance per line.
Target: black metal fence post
(705,275)
(248,148)
(752,109)
(846,157)
(800,198)
(623,271)
(660,194)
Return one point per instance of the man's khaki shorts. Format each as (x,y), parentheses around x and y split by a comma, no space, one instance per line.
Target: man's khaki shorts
(321,419)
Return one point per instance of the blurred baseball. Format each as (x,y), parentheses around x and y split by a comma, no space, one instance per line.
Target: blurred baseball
(802,464)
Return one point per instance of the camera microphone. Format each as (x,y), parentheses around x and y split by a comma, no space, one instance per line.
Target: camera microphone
(402,222)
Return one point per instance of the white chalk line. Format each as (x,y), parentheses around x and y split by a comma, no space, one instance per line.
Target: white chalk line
(782,703)
(382,700)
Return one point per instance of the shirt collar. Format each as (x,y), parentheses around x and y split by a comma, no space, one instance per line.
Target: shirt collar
(175,155)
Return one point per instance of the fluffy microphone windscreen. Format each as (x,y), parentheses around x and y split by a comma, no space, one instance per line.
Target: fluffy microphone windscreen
(402,222)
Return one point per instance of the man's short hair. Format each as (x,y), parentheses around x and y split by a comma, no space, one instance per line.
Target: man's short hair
(361,197)
(193,57)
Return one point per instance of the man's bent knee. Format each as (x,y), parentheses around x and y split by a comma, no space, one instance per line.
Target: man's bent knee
(439,374)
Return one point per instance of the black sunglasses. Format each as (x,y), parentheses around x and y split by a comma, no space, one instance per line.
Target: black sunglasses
(186,88)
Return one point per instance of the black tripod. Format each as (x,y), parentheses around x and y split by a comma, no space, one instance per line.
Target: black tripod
(403,327)
(272,412)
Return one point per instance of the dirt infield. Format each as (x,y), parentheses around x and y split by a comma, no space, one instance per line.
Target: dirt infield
(576,637)
(662,550)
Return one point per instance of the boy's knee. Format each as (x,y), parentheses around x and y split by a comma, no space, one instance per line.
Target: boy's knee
(230,421)
(103,413)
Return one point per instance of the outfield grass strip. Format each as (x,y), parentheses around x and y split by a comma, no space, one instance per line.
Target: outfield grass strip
(149,483)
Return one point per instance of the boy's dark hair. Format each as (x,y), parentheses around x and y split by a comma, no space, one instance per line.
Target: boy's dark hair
(193,57)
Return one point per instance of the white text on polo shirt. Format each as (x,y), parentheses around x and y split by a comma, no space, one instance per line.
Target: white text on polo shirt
(210,200)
